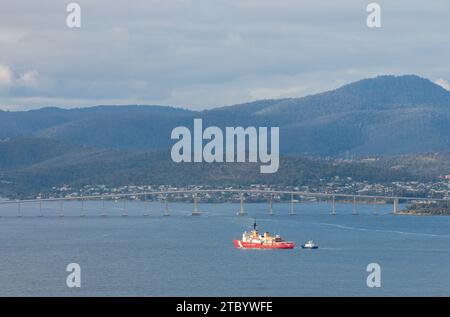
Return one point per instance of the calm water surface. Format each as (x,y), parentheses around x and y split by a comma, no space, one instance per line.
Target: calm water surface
(183,255)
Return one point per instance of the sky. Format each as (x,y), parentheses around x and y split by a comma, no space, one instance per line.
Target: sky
(200,54)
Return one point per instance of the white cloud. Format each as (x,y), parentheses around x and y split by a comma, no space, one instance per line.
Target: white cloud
(279,92)
(29,79)
(200,53)
(443,83)
(6,76)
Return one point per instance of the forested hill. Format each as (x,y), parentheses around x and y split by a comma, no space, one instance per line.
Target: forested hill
(386,115)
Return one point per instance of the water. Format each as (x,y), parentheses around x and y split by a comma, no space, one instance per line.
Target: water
(183,255)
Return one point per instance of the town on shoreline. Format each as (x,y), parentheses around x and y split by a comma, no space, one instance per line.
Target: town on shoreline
(438,190)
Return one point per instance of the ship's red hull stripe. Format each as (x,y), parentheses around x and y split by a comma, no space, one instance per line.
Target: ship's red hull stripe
(249,245)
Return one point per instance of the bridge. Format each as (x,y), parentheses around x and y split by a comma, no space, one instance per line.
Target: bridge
(165,195)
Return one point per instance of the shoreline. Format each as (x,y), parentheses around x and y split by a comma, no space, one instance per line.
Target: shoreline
(419,213)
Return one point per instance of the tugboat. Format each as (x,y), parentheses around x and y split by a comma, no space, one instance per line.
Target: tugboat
(310,245)
(253,240)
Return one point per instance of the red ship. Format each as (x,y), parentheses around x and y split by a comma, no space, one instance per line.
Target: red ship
(252,240)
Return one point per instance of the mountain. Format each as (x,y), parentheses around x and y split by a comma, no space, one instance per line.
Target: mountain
(23,152)
(386,115)
(33,166)
(113,127)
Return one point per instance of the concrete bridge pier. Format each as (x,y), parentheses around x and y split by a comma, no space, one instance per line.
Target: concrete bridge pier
(333,206)
(166,209)
(395,206)
(196,212)
(103,214)
(19,210)
(291,210)
(124,208)
(375,207)
(146,207)
(271,205)
(82,208)
(355,209)
(241,211)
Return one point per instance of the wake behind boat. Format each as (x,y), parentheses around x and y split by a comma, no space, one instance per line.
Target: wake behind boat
(253,240)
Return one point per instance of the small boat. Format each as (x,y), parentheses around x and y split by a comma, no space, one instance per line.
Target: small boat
(310,245)
(253,240)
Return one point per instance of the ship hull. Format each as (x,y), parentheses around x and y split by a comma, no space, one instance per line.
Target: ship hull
(250,245)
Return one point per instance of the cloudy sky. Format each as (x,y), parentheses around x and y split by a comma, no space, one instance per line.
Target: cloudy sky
(200,54)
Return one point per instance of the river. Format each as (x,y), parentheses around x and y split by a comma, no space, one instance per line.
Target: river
(183,255)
